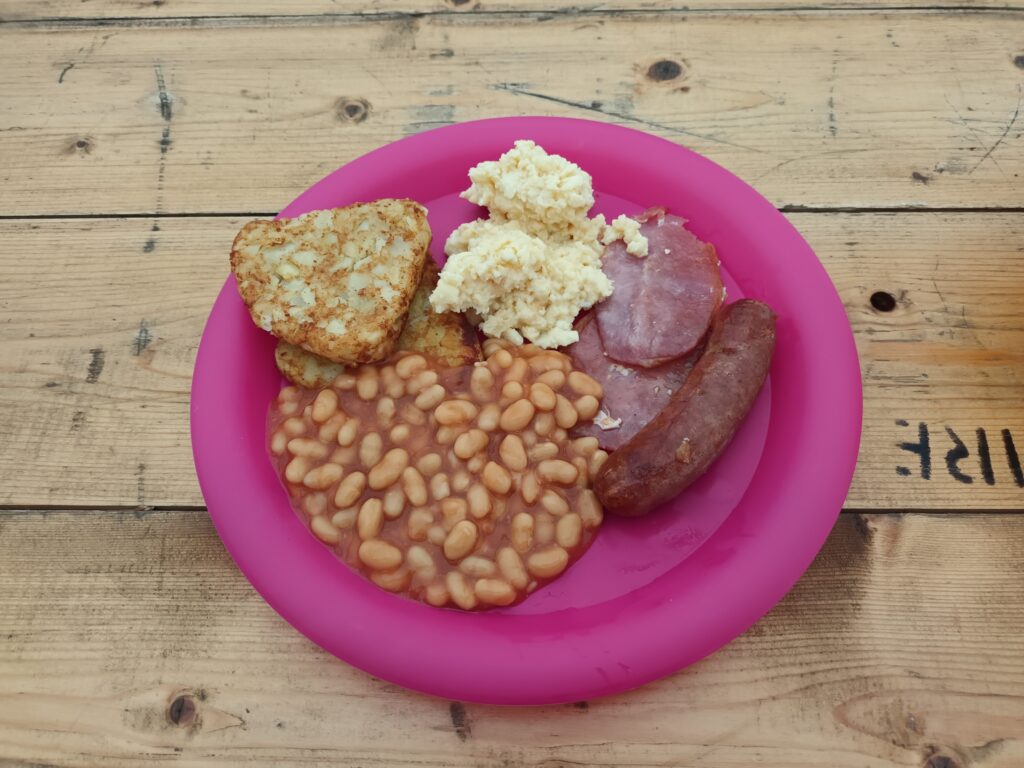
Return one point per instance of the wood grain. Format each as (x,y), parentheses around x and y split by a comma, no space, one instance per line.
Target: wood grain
(235,114)
(104,318)
(25,10)
(902,644)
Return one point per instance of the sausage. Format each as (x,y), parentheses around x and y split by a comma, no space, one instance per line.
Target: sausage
(682,441)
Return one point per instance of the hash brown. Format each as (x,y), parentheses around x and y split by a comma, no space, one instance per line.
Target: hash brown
(336,282)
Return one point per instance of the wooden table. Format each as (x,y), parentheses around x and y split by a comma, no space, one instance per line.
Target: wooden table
(136,137)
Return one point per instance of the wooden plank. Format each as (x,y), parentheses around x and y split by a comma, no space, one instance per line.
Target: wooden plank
(878,657)
(837,109)
(28,10)
(99,346)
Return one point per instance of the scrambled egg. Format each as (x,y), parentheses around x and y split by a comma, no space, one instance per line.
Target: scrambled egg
(627,230)
(529,269)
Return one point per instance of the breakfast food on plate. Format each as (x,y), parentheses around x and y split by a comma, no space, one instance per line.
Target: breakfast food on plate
(632,395)
(447,336)
(528,270)
(682,441)
(451,485)
(336,282)
(662,304)
(471,483)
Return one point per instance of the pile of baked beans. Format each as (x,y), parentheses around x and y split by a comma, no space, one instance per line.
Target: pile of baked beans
(454,486)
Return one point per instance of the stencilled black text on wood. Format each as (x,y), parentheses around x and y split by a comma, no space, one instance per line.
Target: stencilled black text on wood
(966,457)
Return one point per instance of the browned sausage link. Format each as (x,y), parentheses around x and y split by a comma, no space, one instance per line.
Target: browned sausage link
(682,441)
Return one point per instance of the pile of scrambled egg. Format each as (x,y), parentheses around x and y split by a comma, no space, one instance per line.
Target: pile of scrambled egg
(529,269)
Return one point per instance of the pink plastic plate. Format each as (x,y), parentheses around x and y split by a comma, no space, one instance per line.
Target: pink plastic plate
(651,595)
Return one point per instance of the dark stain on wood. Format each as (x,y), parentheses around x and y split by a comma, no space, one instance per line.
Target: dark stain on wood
(82,145)
(67,68)
(663,70)
(161,89)
(165,140)
(883,301)
(96,363)
(920,178)
(77,420)
(1018,61)
(352,109)
(444,53)
(460,720)
(581,705)
(863,528)
(149,245)
(51,384)
(182,711)
(142,339)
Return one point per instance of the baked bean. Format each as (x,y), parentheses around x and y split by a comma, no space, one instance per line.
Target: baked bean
(347,433)
(410,365)
(511,391)
(387,471)
(545,362)
(308,447)
(518,370)
(439,487)
(370,519)
(489,417)
(437,594)
(544,424)
(529,438)
(493,345)
(589,508)
(394,503)
(315,504)
(400,433)
(343,456)
(522,532)
(436,535)
(496,478)
(502,358)
(596,462)
(414,486)
(325,530)
(587,407)
(429,464)
(455,412)
(367,383)
(582,476)
(391,382)
(294,426)
(516,416)
(460,591)
(392,581)
(557,471)
(494,592)
(419,523)
(559,435)
(288,394)
(585,446)
(278,443)
(543,529)
(569,530)
(481,382)
(380,555)
(530,488)
(479,501)
(511,566)
(344,382)
(447,435)
(453,511)
(554,503)
(548,562)
(565,415)
(346,518)
(542,396)
(553,379)
(470,443)
(297,469)
(461,540)
(385,410)
(328,432)
(476,464)
(513,453)
(322,477)
(542,451)
(582,384)
(324,406)
(410,414)
(429,397)
(477,567)
(371,449)
(349,490)
(419,559)
(421,381)
(461,481)
(288,408)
